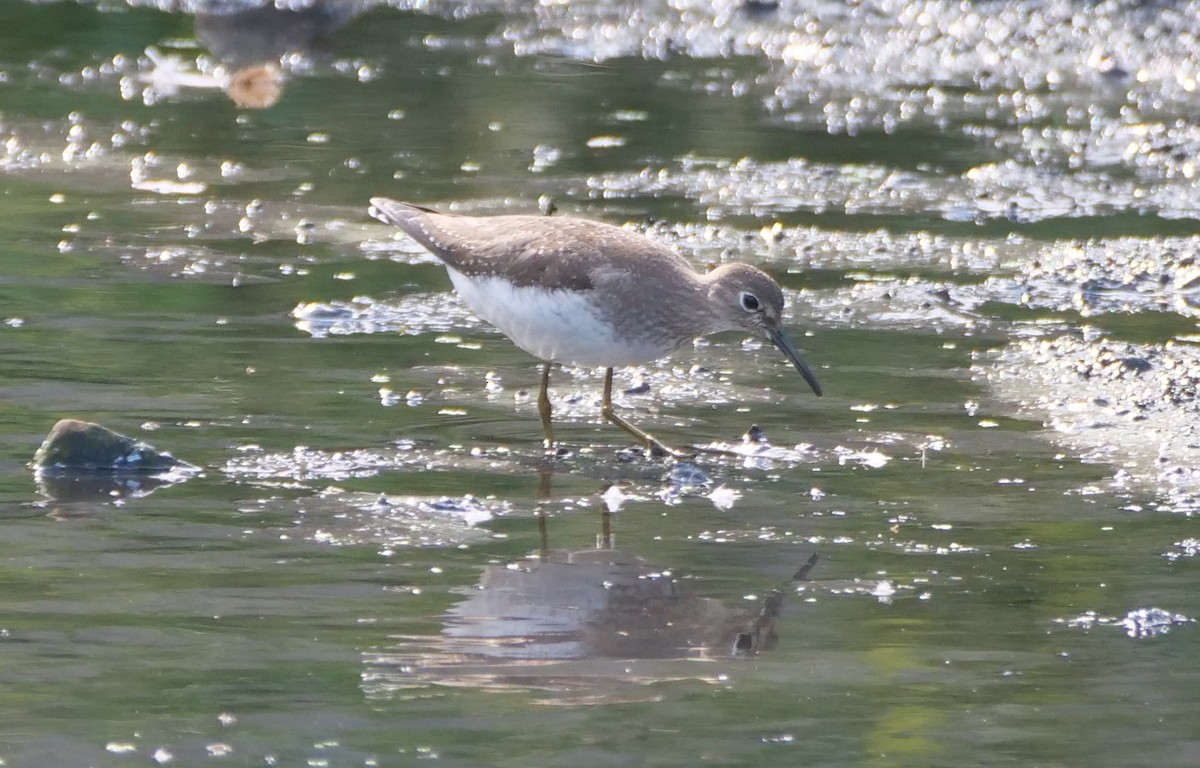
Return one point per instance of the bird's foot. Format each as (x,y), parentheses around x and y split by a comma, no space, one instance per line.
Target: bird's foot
(659,450)
(556,450)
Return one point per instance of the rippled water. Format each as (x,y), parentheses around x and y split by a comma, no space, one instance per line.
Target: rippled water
(977,548)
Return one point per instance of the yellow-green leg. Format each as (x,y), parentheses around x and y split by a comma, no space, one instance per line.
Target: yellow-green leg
(544,406)
(653,444)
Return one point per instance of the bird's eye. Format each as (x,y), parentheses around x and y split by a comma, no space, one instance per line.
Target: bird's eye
(749,301)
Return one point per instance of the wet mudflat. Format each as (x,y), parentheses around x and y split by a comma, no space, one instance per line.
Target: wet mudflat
(985,219)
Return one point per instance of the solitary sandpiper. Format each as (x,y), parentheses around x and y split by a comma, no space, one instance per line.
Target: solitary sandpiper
(589,294)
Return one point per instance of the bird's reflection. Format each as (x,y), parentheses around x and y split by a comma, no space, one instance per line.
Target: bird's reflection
(564,619)
(269,33)
(600,603)
(253,47)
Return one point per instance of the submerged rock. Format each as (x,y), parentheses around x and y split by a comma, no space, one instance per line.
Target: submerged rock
(1135,406)
(81,446)
(82,461)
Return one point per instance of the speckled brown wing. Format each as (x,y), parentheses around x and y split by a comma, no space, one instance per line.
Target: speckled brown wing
(555,253)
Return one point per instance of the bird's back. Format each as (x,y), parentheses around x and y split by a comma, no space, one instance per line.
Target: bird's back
(554,253)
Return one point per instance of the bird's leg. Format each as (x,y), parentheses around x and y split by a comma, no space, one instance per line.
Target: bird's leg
(653,444)
(605,539)
(543,536)
(544,406)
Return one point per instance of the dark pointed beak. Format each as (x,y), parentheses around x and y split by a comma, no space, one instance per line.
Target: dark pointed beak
(784,344)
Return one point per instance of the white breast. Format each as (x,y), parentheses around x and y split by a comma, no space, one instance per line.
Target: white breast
(562,326)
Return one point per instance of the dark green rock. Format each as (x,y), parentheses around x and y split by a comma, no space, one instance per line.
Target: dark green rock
(80,446)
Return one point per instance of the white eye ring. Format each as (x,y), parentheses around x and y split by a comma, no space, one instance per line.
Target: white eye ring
(749,301)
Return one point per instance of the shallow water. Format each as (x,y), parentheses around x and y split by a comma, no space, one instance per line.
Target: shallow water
(989,259)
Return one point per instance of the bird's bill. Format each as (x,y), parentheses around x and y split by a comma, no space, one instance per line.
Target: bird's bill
(784,344)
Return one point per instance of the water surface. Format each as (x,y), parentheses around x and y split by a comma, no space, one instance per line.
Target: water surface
(985,221)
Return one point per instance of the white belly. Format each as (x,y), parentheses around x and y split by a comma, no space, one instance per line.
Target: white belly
(561,326)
